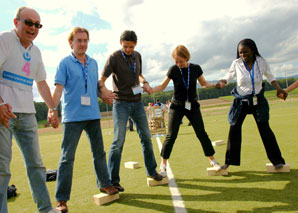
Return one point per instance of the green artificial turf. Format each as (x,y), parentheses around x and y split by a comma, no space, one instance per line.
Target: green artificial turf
(247,188)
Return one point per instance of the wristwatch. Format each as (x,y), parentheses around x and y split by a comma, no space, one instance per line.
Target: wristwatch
(53,109)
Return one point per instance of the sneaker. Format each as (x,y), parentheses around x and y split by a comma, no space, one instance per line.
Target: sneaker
(215,165)
(163,170)
(156,177)
(278,166)
(61,206)
(119,187)
(224,167)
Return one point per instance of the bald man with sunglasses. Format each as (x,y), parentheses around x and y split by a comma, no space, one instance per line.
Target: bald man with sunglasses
(20,65)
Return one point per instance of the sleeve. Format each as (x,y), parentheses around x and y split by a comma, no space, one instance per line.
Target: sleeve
(231,73)
(200,71)
(267,72)
(4,48)
(109,67)
(61,74)
(170,72)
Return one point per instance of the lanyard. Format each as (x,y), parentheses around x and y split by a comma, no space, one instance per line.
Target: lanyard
(85,70)
(188,77)
(130,67)
(252,75)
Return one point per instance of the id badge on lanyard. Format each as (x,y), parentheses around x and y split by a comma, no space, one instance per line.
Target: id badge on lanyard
(187,105)
(137,89)
(85,100)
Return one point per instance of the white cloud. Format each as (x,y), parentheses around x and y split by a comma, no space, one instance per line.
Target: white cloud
(210,29)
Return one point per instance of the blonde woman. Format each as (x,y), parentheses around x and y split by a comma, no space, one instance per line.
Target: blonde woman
(185,103)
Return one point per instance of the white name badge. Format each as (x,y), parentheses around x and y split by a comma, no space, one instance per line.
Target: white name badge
(137,89)
(187,105)
(85,100)
(255,101)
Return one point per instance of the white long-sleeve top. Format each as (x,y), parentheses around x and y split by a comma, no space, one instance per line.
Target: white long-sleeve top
(244,81)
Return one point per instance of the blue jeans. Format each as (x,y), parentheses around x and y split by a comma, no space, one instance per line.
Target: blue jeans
(24,129)
(71,135)
(121,111)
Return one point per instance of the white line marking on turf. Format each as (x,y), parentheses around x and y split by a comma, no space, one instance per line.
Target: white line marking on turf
(176,196)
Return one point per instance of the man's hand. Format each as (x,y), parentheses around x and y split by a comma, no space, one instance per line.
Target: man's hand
(107,95)
(53,118)
(5,114)
(147,88)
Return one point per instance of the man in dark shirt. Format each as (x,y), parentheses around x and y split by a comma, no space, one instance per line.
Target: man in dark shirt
(125,65)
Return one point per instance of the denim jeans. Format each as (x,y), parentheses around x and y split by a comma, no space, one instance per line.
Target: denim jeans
(24,129)
(71,135)
(121,111)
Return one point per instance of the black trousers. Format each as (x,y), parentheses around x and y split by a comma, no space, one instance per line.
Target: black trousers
(195,117)
(234,141)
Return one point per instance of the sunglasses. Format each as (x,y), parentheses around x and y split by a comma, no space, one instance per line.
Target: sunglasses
(30,23)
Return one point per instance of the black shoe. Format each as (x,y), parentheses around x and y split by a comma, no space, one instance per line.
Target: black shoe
(278,166)
(157,177)
(119,187)
(225,166)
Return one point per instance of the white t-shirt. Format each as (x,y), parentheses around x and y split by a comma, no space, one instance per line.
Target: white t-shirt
(19,67)
(244,81)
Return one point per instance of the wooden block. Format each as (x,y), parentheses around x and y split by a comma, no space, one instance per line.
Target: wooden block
(152,182)
(218,143)
(131,165)
(270,168)
(212,172)
(102,198)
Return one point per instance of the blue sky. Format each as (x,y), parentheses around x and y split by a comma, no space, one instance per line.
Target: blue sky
(210,30)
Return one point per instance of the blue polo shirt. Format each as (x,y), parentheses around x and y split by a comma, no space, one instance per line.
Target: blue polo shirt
(71,74)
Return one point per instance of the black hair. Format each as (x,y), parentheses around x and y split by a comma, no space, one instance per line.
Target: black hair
(128,35)
(251,45)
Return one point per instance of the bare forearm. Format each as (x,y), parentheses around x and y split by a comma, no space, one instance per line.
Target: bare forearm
(45,93)
(292,86)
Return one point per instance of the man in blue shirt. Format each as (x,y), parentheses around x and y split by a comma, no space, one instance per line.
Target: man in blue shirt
(76,81)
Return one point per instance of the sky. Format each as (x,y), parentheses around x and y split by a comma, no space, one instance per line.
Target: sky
(210,30)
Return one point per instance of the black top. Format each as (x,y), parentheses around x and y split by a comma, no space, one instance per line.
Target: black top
(180,91)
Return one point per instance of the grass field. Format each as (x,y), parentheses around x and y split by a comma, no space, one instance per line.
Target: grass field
(248,188)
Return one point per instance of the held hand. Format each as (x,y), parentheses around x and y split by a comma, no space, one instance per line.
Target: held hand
(53,118)
(107,96)
(221,84)
(147,88)
(282,94)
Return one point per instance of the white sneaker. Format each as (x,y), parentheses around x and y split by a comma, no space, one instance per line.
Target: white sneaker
(163,170)
(215,165)
(54,211)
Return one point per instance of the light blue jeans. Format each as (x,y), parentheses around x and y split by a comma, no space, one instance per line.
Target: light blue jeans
(71,135)
(24,129)
(121,111)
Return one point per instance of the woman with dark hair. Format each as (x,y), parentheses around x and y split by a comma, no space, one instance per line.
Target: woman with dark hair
(249,69)
(185,103)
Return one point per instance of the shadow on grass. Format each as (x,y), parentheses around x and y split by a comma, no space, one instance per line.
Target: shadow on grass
(287,195)
(139,200)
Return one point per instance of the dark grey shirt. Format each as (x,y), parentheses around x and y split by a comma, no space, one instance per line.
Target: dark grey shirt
(123,77)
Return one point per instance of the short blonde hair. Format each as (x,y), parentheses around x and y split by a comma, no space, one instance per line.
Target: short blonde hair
(77,30)
(181,51)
